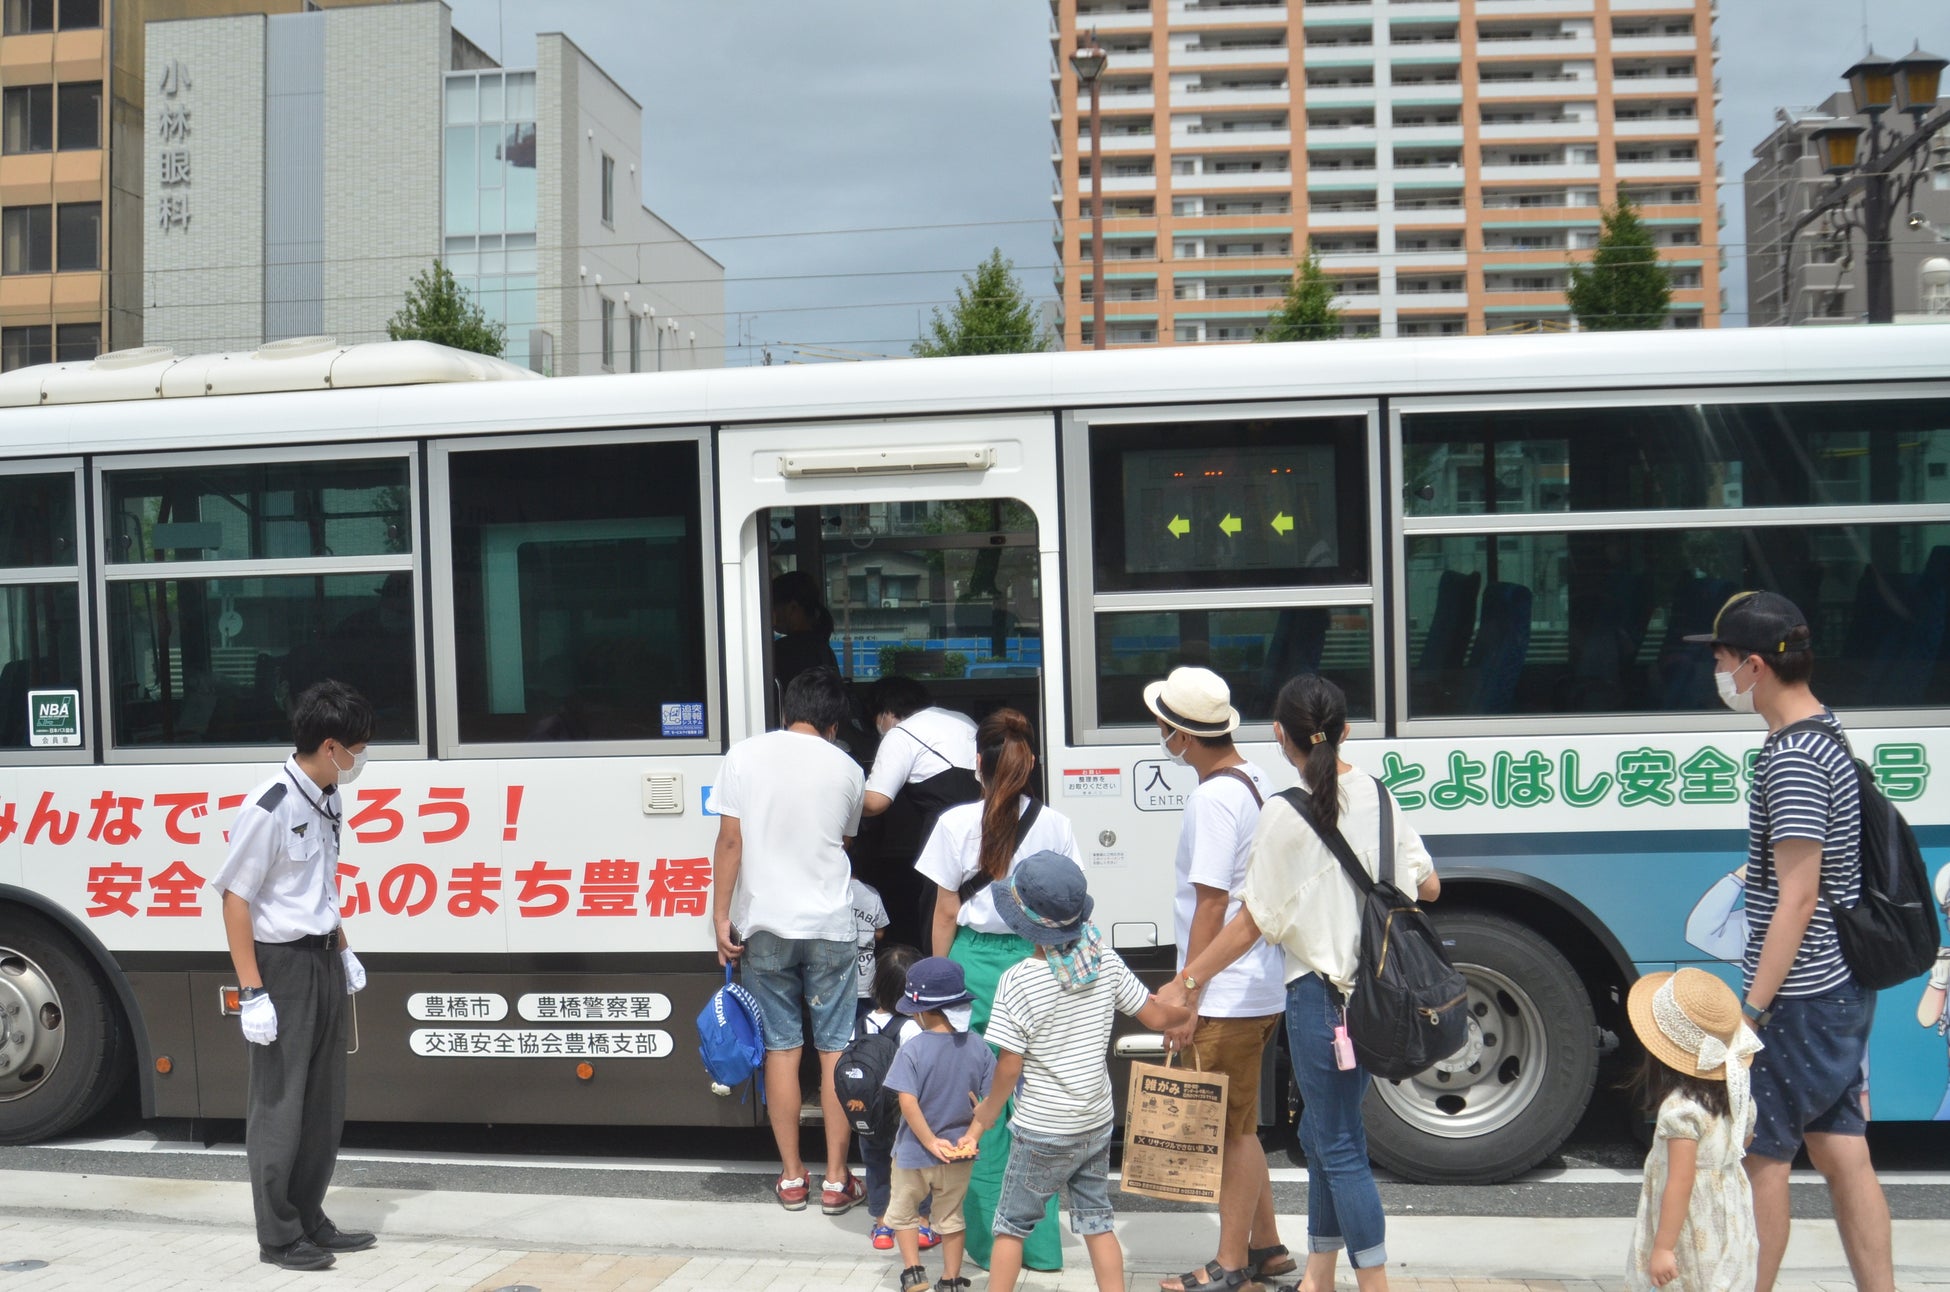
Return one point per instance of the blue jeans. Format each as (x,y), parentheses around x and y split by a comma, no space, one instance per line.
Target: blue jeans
(1039,1165)
(1809,1077)
(1343,1205)
(784,974)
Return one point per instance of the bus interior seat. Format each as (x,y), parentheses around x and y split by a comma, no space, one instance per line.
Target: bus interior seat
(1448,639)
(1685,669)
(17,678)
(1607,633)
(1896,630)
(1501,646)
(1299,639)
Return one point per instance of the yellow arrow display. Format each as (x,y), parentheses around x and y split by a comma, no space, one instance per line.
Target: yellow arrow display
(1179,527)
(1282,524)
(1231,525)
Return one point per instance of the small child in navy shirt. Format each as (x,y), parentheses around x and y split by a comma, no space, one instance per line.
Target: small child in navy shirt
(940,1076)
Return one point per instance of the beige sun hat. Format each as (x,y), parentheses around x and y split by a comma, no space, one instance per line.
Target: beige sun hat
(1194,700)
(1688,1020)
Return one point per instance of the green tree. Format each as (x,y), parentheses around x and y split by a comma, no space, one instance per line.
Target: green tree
(1624,288)
(1307,313)
(992,315)
(439,309)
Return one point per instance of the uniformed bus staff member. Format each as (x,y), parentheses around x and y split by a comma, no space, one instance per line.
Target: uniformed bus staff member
(280,916)
(924,766)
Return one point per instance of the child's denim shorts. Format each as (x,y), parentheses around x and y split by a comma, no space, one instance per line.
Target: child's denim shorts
(1039,1165)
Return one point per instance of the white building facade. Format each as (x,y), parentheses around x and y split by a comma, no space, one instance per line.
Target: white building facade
(304,168)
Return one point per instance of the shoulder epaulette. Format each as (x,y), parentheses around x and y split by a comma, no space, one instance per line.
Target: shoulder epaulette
(271,797)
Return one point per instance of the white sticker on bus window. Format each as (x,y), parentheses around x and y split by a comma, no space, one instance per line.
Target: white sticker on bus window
(1092,782)
(54,719)
(594,1007)
(470,1006)
(683,719)
(540,1043)
(1159,786)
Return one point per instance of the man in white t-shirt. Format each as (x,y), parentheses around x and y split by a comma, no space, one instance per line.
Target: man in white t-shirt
(925,765)
(1240,1009)
(788,803)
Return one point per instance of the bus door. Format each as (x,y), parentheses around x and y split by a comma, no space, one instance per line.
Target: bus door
(918,551)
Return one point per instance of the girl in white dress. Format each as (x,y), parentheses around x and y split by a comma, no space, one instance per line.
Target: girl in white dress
(1696,1210)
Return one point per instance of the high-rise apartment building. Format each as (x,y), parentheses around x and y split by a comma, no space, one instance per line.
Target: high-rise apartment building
(1448,159)
(1825,281)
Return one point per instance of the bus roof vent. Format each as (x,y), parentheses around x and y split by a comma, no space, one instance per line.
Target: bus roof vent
(136,357)
(296,347)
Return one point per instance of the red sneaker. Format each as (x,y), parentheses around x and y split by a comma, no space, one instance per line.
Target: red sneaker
(929,1238)
(883,1239)
(792,1193)
(838,1199)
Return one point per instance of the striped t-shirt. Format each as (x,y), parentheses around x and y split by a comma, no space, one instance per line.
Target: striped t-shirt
(1064,1040)
(1804,788)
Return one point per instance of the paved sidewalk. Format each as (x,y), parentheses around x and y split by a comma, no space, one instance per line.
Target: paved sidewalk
(109,1232)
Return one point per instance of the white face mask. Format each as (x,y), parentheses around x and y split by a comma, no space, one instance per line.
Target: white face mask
(347,775)
(1164,743)
(1732,696)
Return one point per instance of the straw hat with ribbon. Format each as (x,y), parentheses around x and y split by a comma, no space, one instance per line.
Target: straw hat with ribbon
(1690,1021)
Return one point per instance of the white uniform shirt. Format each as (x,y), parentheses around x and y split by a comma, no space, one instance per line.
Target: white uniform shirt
(797,798)
(925,743)
(953,856)
(1214,844)
(284,857)
(1300,897)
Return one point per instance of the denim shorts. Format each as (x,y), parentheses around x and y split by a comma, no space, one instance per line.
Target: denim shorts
(1809,1077)
(1039,1165)
(785,974)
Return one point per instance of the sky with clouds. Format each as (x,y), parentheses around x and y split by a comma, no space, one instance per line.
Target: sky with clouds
(849,160)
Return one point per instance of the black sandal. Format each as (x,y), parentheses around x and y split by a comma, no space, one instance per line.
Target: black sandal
(1217,1279)
(1268,1262)
(914,1279)
(955,1284)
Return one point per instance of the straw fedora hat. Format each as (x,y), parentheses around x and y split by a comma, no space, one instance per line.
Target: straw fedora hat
(1194,700)
(1709,1009)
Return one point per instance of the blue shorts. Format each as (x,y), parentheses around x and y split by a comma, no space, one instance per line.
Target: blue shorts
(1810,1077)
(786,974)
(1039,1165)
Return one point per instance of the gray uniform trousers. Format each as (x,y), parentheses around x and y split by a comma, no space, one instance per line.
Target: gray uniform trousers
(297,1091)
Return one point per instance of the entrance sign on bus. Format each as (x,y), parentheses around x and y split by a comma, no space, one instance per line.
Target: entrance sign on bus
(54,719)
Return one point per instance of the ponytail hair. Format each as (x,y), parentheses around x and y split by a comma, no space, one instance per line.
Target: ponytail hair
(1005,751)
(1312,711)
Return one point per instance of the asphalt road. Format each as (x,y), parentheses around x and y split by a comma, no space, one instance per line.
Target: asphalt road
(1596,1173)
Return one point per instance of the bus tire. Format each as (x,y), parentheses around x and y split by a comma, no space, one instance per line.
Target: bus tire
(1510,1097)
(63,1056)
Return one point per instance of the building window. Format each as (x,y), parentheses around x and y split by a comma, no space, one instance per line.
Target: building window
(27,240)
(78,240)
(29,118)
(76,14)
(25,16)
(609,190)
(77,342)
(609,335)
(636,344)
(23,347)
(81,115)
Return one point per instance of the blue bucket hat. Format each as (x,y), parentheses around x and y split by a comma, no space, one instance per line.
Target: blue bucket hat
(1046,900)
(932,984)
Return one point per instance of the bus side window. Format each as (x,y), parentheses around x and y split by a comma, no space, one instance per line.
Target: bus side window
(579,604)
(40,611)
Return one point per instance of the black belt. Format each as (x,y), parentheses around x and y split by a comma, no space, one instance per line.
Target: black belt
(322,941)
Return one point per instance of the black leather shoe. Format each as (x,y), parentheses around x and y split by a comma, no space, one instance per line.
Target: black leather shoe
(298,1254)
(333,1239)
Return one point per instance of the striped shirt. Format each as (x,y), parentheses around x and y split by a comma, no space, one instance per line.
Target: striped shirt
(1804,788)
(1064,1040)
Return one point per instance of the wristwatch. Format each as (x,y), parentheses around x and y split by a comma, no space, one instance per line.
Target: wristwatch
(1191,983)
(1757,1016)
(248,993)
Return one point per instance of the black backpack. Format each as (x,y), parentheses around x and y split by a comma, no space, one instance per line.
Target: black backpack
(1410,1008)
(1889,936)
(860,1081)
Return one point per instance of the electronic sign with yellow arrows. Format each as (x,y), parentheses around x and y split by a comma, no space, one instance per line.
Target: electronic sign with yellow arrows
(1234,508)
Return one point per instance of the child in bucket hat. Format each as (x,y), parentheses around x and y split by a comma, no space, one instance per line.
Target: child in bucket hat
(1051,1024)
(1696,1208)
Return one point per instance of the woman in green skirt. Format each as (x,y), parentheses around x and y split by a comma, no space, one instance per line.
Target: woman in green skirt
(972,846)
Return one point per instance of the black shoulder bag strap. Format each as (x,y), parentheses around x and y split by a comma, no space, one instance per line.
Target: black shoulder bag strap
(945,760)
(1336,842)
(1245,780)
(982,878)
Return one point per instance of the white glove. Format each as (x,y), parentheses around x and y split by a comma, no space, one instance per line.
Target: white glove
(260,1019)
(1940,971)
(355,973)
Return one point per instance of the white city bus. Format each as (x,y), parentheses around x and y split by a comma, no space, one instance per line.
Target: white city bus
(556,595)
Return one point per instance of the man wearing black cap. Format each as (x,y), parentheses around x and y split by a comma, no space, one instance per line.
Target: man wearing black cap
(1804,833)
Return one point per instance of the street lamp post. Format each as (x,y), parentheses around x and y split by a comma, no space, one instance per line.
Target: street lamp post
(1877,184)
(1089,63)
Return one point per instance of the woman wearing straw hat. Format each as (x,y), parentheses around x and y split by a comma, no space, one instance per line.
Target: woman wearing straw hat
(1696,1209)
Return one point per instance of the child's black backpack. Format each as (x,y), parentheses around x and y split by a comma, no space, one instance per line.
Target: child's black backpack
(860,1081)
(1410,1007)
(1889,936)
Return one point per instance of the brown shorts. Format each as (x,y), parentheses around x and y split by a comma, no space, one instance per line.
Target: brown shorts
(1235,1047)
(946,1182)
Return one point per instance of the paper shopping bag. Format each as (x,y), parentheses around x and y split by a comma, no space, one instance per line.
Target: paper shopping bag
(1174,1133)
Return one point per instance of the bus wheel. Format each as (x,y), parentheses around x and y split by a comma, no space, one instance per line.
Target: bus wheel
(59,1034)
(1512,1094)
